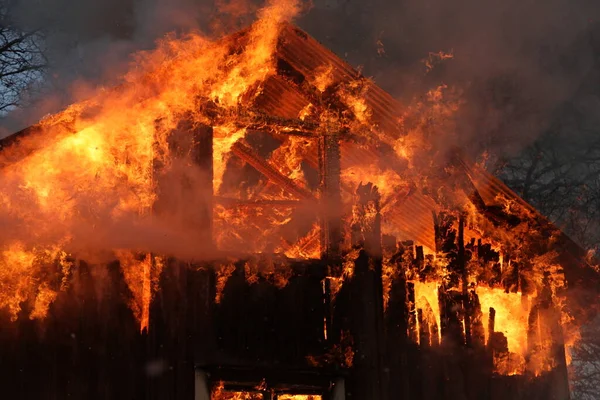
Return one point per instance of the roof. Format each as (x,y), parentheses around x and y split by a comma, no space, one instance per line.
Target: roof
(287,93)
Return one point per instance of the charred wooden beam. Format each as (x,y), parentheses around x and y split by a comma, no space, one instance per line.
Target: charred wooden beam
(366,222)
(474,320)
(435,334)
(247,154)
(229,202)
(447,238)
(396,315)
(451,316)
(330,197)
(257,120)
(412,312)
(491,323)
(461,266)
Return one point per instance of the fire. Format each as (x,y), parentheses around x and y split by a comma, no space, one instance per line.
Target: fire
(223,138)
(289,156)
(389,273)
(226,395)
(219,393)
(21,272)
(323,78)
(307,247)
(94,189)
(353,98)
(426,299)
(223,274)
(435,58)
(141,275)
(98,173)
(387,181)
(512,313)
(336,282)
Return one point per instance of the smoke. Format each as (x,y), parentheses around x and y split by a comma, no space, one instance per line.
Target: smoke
(515,61)
(513,64)
(89,43)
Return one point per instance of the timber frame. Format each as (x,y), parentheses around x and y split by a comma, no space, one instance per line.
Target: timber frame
(300,337)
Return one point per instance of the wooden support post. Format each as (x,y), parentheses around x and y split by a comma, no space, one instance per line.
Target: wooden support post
(185,200)
(412,312)
(330,198)
(461,266)
(475,320)
(448,243)
(330,219)
(491,325)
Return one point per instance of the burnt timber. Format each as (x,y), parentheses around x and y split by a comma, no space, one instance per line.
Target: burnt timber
(90,345)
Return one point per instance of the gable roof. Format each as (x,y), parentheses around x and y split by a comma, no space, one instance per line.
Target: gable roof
(287,93)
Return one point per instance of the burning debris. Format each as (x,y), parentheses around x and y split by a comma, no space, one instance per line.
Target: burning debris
(266,202)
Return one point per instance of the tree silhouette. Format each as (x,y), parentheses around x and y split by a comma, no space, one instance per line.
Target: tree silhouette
(22,62)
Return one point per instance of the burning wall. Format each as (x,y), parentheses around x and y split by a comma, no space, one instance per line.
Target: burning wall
(284,135)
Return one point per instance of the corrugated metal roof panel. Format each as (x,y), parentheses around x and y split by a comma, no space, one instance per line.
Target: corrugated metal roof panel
(280,98)
(308,56)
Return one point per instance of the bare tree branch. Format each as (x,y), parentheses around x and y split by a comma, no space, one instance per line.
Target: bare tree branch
(22,63)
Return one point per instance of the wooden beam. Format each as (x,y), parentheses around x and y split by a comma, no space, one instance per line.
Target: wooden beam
(257,120)
(229,202)
(247,154)
(331,200)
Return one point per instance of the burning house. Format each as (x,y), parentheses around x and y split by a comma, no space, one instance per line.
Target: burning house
(251,218)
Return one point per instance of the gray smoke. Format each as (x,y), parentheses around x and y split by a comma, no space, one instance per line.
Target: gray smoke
(518,60)
(89,43)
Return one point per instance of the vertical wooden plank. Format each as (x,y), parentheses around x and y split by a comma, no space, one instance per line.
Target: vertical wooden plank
(396,328)
(370,380)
